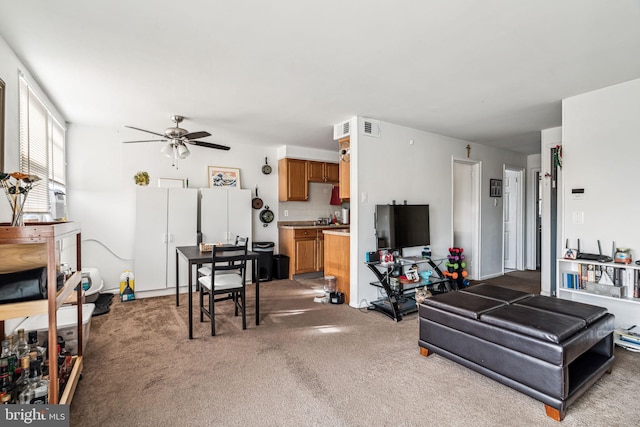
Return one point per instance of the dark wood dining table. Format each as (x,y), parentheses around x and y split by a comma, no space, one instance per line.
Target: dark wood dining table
(194,256)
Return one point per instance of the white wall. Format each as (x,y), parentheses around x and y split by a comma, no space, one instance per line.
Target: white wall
(101,189)
(390,167)
(601,153)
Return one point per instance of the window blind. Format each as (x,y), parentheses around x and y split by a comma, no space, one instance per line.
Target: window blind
(56,159)
(42,147)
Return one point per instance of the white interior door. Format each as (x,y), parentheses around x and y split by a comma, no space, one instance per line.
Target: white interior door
(182,228)
(513,217)
(465,211)
(150,247)
(510,218)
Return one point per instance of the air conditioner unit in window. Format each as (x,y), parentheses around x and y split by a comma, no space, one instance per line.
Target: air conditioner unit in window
(58,204)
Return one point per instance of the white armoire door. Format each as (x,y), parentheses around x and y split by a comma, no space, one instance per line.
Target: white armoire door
(213,215)
(225,214)
(182,230)
(150,247)
(239,216)
(165,218)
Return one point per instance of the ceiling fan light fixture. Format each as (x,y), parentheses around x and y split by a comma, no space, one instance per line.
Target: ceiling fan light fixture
(167,150)
(176,138)
(183,151)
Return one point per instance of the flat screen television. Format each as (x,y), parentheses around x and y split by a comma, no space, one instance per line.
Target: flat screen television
(402,226)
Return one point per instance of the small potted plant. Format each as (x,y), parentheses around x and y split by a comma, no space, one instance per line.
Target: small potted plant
(141,178)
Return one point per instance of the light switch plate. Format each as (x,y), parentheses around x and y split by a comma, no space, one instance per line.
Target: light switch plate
(578,217)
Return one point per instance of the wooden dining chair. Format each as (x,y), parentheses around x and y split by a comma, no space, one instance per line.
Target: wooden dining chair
(228,277)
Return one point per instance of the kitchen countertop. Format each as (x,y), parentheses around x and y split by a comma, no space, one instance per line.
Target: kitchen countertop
(310,224)
(338,232)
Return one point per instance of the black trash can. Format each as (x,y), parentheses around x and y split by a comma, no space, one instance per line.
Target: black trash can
(265,260)
(281,267)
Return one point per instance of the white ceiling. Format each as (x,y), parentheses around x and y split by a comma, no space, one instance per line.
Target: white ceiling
(285,71)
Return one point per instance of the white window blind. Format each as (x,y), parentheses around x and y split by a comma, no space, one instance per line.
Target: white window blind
(41,148)
(57,173)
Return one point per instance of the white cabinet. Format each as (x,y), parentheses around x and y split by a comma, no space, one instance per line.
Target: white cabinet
(582,281)
(225,214)
(165,218)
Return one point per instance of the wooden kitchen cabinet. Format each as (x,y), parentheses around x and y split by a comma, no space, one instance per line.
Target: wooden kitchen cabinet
(345,171)
(320,251)
(337,260)
(292,180)
(304,247)
(305,254)
(294,176)
(323,172)
(332,172)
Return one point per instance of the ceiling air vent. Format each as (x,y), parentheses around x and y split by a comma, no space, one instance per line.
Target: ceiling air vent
(341,130)
(371,128)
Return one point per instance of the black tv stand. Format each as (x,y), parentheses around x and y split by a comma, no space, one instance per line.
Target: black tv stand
(400,301)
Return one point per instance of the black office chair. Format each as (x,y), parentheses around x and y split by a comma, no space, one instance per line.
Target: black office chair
(229,267)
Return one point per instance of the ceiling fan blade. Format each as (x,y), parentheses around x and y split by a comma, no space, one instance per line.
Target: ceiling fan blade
(147,140)
(210,145)
(148,131)
(197,135)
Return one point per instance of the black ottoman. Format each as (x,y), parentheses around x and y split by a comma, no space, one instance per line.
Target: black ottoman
(550,349)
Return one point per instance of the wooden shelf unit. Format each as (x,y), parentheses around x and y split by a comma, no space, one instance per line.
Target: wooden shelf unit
(35,245)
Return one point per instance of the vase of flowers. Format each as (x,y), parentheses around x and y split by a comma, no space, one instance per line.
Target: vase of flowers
(16,186)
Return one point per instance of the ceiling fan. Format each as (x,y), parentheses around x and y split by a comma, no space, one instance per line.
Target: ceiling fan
(177,138)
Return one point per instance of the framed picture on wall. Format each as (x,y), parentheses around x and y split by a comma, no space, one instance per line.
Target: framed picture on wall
(224,177)
(495,187)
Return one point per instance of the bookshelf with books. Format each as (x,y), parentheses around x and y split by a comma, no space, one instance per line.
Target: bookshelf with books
(611,285)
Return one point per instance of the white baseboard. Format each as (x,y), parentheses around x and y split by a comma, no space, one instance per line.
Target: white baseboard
(491,276)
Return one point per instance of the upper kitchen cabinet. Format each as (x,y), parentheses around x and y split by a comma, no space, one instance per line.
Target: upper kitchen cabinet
(292,180)
(323,172)
(345,177)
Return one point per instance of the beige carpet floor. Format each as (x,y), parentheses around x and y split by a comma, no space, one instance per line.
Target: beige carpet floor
(306,364)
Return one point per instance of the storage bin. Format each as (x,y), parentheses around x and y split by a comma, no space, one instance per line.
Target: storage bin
(67,326)
(92,283)
(606,290)
(265,259)
(281,267)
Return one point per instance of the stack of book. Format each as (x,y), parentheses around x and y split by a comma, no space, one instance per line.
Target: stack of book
(627,339)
